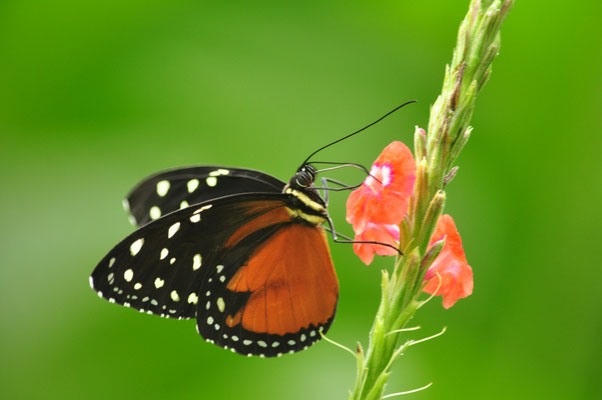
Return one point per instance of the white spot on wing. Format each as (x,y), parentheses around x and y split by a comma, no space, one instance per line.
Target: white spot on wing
(164,254)
(211,181)
(208,206)
(184,204)
(137,286)
(91,282)
(261,343)
(175,296)
(136,246)
(219,268)
(111,262)
(128,275)
(126,205)
(162,188)
(195,218)
(196,262)
(219,172)
(247,342)
(193,299)
(173,260)
(111,278)
(173,229)
(155,212)
(209,320)
(192,185)
(159,282)
(220,304)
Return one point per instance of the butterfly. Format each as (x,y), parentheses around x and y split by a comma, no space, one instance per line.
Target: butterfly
(240,251)
(237,249)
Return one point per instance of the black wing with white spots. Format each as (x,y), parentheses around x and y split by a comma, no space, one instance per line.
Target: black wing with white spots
(159,268)
(175,189)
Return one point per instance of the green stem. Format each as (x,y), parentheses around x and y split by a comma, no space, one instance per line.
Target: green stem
(436,151)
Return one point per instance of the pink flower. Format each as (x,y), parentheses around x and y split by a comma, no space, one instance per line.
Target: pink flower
(384,200)
(455,275)
(388,234)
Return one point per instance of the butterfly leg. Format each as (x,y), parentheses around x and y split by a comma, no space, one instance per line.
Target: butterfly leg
(336,235)
(325,188)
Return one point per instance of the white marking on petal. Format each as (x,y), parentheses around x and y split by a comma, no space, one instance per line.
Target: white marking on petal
(173,229)
(192,185)
(162,188)
(193,299)
(184,204)
(219,268)
(211,181)
(195,218)
(164,254)
(111,262)
(159,282)
(209,320)
(137,286)
(174,296)
(128,275)
(155,212)
(221,306)
(261,343)
(136,246)
(196,262)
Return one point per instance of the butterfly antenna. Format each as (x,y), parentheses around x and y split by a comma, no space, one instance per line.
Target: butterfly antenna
(358,131)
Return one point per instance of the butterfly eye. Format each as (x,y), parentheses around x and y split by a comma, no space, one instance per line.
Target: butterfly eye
(305,176)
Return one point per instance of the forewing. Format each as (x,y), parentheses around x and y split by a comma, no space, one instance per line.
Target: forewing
(271,292)
(159,268)
(172,190)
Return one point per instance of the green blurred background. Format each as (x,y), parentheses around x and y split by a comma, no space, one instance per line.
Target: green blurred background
(96,95)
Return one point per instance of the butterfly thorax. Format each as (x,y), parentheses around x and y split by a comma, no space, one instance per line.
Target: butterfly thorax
(306,204)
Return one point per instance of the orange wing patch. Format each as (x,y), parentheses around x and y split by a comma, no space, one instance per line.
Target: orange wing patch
(292,282)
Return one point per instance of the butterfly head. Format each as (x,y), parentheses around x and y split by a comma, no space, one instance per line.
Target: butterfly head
(305,177)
